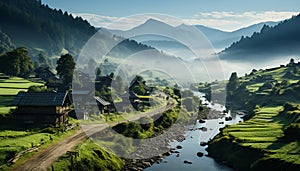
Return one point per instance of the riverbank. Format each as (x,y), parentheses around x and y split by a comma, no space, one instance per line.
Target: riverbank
(176,136)
(154,147)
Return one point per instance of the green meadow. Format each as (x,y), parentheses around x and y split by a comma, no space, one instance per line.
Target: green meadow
(269,137)
(9,88)
(14,141)
(260,140)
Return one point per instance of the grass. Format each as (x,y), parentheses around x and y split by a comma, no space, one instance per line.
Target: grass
(91,157)
(262,135)
(9,88)
(270,138)
(254,87)
(15,141)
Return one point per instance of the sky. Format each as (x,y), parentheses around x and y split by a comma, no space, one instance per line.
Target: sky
(227,15)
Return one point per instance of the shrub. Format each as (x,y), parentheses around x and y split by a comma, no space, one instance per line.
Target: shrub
(292,131)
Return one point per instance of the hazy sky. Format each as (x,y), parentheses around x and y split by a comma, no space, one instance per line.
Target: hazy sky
(222,14)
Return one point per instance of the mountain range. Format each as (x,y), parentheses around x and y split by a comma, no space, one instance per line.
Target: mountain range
(51,32)
(282,40)
(42,29)
(218,38)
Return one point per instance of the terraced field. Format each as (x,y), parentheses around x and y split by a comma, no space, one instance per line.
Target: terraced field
(262,135)
(9,87)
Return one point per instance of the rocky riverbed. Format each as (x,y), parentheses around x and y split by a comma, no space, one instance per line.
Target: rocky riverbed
(160,147)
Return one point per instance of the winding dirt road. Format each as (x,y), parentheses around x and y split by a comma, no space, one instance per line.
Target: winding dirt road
(45,158)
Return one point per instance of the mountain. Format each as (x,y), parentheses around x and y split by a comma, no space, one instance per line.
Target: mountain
(5,43)
(171,40)
(218,38)
(34,25)
(221,39)
(31,24)
(271,42)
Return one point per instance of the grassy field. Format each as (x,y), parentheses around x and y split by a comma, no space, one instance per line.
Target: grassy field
(9,87)
(15,141)
(263,136)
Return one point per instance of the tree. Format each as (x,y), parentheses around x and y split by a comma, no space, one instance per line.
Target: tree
(139,89)
(291,63)
(16,63)
(65,68)
(98,72)
(111,75)
(233,83)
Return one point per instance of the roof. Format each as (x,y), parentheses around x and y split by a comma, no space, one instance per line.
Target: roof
(101,101)
(40,99)
(81,92)
(144,97)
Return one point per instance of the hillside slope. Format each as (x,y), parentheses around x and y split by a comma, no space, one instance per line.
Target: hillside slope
(270,42)
(30,23)
(269,138)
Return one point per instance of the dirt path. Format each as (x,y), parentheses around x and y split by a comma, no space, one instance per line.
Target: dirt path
(44,159)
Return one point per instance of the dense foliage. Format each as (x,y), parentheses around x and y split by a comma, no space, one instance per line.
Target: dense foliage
(269,138)
(283,38)
(65,68)
(16,63)
(30,23)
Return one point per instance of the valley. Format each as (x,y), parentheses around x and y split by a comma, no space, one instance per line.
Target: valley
(201,89)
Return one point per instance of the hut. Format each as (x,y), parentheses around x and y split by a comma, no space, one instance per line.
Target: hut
(48,108)
(103,105)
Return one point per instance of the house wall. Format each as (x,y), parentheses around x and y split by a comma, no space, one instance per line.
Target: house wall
(42,115)
(42,109)
(37,110)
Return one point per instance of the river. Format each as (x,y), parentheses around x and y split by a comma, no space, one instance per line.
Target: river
(191,146)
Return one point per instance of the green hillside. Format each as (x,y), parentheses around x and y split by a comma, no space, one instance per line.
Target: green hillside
(269,138)
(270,42)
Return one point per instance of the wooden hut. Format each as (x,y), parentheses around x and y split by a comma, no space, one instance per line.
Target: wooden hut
(50,108)
(104,106)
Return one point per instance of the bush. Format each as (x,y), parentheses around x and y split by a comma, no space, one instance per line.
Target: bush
(292,131)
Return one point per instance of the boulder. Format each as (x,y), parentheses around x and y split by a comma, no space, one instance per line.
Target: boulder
(203,128)
(146,164)
(200,154)
(179,147)
(228,118)
(203,143)
(201,121)
(167,153)
(187,162)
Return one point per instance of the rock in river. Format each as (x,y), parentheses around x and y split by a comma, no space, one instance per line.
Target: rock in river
(200,154)
(179,147)
(187,162)
(203,143)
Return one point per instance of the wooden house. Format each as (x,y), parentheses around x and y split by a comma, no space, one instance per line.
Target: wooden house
(48,108)
(104,106)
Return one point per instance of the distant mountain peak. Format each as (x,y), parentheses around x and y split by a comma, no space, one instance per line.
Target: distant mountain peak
(153,21)
(183,26)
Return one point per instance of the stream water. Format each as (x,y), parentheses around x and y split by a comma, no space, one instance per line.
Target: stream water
(191,146)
